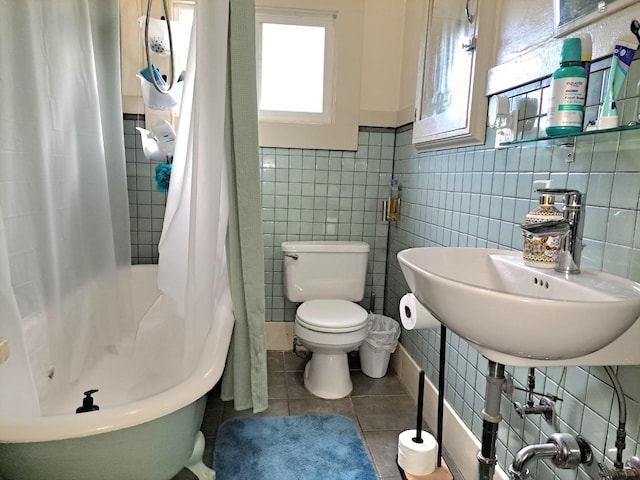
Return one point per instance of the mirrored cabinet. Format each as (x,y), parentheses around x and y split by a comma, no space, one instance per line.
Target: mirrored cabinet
(456,53)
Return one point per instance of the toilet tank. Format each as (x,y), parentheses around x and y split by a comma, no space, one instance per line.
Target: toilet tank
(324,270)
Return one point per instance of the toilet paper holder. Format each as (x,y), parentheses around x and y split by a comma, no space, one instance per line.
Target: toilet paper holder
(406,452)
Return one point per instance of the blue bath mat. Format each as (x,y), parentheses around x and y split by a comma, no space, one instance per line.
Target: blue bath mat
(322,447)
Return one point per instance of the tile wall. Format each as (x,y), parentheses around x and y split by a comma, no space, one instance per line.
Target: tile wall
(306,195)
(474,197)
(146,204)
(326,195)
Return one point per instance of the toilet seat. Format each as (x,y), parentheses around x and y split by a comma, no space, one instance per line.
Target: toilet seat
(331,316)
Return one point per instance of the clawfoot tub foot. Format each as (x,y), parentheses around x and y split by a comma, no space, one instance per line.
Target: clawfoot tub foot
(195,464)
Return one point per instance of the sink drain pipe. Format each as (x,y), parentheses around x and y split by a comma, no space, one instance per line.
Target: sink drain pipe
(491,418)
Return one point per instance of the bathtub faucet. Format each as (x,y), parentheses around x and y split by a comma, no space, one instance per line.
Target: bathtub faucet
(564,450)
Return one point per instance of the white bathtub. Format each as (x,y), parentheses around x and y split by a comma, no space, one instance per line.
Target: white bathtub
(148,438)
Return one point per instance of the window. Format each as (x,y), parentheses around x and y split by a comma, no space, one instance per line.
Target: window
(295,66)
(182,14)
(309,60)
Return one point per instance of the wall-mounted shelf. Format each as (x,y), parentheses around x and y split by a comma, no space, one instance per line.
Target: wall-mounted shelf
(566,140)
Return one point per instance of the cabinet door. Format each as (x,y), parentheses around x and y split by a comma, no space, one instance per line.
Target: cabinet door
(456,52)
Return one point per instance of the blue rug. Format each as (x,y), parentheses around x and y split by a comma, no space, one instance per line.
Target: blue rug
(322,447)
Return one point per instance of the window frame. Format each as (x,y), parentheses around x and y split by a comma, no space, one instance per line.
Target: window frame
(300,18)
(342,132)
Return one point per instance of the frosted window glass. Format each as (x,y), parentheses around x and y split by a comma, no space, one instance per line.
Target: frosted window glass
(181,33)
(292,70)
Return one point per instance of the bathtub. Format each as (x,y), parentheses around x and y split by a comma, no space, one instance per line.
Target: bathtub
(151,437)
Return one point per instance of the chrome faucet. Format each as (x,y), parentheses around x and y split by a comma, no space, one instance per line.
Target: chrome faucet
(564,450)
(545,408)
(569,228)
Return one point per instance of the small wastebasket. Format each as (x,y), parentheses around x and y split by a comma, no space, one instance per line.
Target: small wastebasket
(380,343)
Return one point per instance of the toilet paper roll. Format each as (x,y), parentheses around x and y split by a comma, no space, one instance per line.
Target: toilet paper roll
(417,458)
(414,315)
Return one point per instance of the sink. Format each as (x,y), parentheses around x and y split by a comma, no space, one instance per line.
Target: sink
(523,316)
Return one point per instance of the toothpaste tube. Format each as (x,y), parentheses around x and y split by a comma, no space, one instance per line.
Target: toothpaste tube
(620,63)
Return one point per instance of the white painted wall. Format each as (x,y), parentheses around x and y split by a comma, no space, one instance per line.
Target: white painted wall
(385,86)
(381,62)
(133,57)
(527,49)
(414,20)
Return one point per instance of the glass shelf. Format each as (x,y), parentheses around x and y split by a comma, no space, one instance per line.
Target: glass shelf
(567,140)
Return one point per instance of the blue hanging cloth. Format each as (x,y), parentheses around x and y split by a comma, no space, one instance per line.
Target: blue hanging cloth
(163,176)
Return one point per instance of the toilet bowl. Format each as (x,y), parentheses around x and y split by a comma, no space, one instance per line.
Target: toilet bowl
(326,278)
(330,329)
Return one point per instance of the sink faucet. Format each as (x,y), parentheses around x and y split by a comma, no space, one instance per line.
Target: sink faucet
(564,450)
(569,227)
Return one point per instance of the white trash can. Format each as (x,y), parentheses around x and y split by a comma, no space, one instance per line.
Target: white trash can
(380,343)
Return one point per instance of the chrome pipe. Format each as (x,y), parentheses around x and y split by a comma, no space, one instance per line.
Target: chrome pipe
(491,418)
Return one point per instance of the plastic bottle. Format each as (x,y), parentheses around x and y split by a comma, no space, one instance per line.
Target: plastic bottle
(394,201)
(586,51)
(542,251)
(568,91)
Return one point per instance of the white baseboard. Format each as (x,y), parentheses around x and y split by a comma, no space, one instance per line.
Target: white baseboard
(459,442)
(279,336)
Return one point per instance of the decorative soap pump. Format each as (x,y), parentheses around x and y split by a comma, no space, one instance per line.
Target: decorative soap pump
(542,251)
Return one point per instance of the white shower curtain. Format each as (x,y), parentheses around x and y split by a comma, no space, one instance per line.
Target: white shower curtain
(214,204)
(64,220)
(192,267)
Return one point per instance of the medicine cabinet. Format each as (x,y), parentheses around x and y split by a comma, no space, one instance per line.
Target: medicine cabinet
(455,55)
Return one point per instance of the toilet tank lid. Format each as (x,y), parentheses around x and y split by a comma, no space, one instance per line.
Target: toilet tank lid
(325,246)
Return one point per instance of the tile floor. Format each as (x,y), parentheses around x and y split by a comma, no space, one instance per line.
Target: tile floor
(381,408)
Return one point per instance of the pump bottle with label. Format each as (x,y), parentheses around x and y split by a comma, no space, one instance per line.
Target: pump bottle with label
(542,251)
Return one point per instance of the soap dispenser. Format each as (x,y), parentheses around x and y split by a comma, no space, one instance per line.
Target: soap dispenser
(87,403)
(542,251)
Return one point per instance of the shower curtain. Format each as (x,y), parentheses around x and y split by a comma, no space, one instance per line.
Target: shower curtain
(64,220)
(245,378)
(215,180)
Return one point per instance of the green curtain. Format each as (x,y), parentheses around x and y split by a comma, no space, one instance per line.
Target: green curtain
(245,376)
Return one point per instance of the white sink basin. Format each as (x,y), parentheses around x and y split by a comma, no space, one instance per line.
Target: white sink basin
(519,315)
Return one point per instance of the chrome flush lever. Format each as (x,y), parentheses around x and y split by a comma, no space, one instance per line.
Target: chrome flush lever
(291,255)
(470,46)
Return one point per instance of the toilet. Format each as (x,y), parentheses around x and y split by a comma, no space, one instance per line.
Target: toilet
(326,278)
